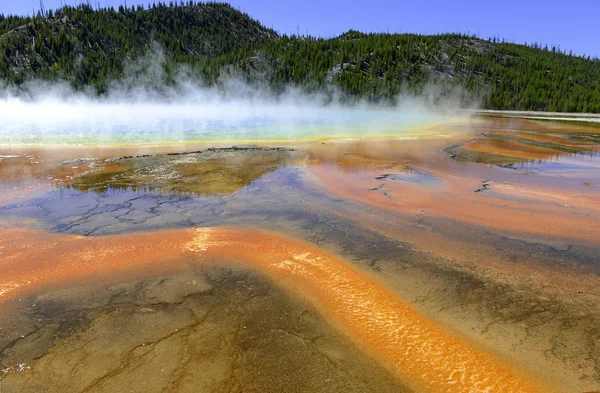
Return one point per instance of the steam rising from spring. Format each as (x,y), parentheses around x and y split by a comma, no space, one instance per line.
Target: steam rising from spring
(53,114)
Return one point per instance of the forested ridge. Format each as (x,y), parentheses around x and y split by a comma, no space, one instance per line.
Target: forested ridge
(212,41)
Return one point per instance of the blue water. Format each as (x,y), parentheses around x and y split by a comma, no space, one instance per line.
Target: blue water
(100,123)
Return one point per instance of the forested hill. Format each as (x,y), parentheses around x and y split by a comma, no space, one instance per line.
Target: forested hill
(93,47)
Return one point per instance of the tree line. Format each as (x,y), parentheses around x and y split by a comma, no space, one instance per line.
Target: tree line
(92,47)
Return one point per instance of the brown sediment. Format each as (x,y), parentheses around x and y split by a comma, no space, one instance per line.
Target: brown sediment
(208,328)
(29,172)
(212,171)
(419,350)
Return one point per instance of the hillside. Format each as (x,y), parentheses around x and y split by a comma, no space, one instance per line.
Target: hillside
(91,48)
(376,66)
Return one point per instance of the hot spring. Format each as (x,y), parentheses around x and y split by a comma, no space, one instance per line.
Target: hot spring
(89,122)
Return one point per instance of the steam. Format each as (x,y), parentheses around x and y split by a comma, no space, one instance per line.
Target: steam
(141,109)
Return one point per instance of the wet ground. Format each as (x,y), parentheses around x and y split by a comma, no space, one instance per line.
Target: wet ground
(204,329)
(467,263)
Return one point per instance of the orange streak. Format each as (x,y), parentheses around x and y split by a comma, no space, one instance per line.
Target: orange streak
(510,149)
(32,260)
(455,199)
(418,349)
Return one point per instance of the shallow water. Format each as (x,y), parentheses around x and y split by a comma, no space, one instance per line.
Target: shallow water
(91,123)
(427,263)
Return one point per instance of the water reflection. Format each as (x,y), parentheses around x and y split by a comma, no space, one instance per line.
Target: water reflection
(204,173)
(520,143)
(563,162)
(478,248)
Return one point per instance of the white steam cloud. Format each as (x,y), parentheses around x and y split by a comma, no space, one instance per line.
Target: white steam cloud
(41,113)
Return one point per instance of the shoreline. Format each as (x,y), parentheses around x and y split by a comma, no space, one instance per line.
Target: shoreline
(592,118)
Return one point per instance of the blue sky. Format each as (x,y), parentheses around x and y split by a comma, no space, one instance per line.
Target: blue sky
(574,25)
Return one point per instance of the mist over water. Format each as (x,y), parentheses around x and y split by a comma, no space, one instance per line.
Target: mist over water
(54,115)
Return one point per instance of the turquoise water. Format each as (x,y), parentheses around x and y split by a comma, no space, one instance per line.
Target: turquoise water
(51,122)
